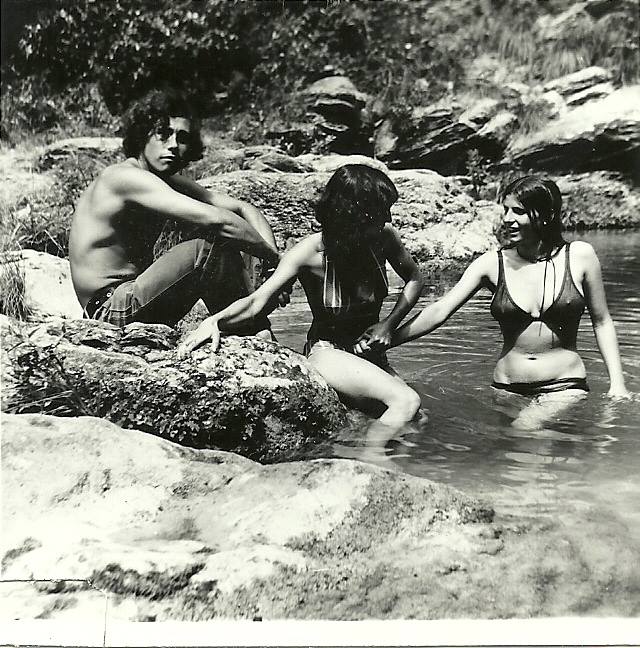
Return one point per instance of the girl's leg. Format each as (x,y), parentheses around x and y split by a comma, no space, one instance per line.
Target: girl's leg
(545,407)
(360,379)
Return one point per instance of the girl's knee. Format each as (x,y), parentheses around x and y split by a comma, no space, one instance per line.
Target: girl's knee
(405,401)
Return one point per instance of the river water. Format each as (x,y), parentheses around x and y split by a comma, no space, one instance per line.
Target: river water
(589,457)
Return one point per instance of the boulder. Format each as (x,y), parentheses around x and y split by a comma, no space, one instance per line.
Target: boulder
(428,137)
(295,139)
(274,161)
(598,200)
(598,91)
(336,88)
(438,221)
(173,533)
(124,525)
(493,137)
(602,134)
(107,149)
(41,284)
(338,105)
(333,161)
(253,397)
(578,82)
(480,112)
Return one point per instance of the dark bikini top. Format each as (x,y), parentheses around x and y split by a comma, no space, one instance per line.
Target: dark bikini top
(345,309)
(562,316)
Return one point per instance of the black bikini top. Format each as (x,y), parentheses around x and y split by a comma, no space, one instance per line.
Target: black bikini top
(562,316)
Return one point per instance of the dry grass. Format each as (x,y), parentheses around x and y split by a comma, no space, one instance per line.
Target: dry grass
(12,279)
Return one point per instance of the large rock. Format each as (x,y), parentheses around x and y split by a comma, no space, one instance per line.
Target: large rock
(182,534)
(428,137)
(253,397)
(333,161)
(338,105)
(437,220)
(108,149)
(576,82)
(493,137)
(122,523)
(41,283)
(602,134)
(598,200)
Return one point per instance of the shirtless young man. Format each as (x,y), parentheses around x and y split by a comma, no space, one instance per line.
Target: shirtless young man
(121,214)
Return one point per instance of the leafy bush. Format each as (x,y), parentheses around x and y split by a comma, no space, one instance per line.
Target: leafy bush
(251,57)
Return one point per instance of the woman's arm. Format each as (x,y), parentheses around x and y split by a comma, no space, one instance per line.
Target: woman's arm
(432,316)
(378,336)
(603,325)
(251,305)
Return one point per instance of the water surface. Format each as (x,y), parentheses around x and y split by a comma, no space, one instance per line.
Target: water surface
(584,461)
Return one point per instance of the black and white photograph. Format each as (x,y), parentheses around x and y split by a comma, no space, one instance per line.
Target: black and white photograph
(320,322)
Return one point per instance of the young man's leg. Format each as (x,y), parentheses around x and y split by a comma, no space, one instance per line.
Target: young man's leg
(167,290)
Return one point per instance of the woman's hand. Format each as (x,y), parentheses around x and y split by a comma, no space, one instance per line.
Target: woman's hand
(208,330)
(376,339)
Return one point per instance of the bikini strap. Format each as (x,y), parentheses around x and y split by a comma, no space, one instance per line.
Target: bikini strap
(500,270)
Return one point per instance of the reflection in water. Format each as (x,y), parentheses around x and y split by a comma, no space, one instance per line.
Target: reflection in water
(571,461)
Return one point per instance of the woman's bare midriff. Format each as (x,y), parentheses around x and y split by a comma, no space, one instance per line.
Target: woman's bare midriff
(517,367)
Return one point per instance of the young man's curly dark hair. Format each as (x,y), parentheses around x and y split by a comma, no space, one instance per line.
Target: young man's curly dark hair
(153,111)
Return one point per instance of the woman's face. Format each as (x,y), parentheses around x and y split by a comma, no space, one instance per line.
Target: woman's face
(516,222)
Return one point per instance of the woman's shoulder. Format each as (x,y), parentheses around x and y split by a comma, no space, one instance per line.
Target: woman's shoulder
(581,248)
(581,253)
(488,260)
(308,249)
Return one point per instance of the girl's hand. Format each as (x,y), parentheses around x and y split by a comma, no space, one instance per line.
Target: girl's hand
(208,330)
(376,338)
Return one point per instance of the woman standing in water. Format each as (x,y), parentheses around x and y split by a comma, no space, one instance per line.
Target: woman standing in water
(342,271)
(540,286)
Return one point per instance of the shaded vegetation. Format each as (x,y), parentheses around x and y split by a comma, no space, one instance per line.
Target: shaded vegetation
(247,57)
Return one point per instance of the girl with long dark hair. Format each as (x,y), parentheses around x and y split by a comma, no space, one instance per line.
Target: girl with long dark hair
(342,271)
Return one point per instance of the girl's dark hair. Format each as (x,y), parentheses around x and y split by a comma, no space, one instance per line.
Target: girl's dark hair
(542,201)
(153,111)
(355,197)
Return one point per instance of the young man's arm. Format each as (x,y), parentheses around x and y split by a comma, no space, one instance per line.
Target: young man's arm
(138,187)
(244,209)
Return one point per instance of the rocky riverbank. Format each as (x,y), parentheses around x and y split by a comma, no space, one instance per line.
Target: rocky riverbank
(172,533)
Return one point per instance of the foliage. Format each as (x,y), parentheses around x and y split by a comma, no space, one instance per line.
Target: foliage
(31,105)
(44,385)
(235,53)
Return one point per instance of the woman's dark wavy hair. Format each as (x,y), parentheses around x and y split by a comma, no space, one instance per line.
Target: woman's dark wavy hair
(355,197)
(542,201)
(153,110)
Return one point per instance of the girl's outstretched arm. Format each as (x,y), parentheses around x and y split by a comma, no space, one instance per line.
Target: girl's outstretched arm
(433,315)
(603,326)
(252,305)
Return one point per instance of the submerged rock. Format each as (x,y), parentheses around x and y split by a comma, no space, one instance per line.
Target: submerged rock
(253,397)
(183,534)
